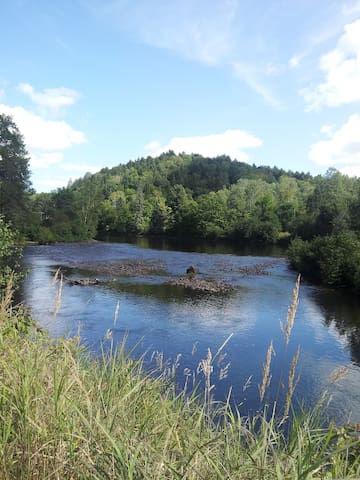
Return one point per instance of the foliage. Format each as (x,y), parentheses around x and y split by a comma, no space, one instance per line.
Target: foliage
(181,195)
(14,173)
(333,260)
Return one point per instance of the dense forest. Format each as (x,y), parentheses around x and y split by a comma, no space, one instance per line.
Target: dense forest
(190,196)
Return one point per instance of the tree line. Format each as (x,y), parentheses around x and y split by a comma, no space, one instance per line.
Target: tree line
(191,196)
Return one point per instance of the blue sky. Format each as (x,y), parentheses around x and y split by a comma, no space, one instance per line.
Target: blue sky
(95,83)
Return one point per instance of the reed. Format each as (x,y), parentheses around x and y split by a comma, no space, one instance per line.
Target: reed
(266,375)
(290,319)
(292,382)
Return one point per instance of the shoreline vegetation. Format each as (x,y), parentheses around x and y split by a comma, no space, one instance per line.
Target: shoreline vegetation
(65,414)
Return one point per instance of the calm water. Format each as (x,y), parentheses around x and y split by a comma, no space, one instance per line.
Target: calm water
(158,317)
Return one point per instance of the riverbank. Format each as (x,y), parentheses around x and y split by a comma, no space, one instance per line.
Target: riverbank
(67,415)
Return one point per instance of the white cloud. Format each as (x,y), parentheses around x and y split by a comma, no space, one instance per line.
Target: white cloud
(351,171)
(342,149)
(43,134)
(52,98)
(341,69)
(327,130)
(46,140)
(231,142)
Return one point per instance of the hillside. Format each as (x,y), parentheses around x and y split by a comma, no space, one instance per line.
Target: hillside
(178,195)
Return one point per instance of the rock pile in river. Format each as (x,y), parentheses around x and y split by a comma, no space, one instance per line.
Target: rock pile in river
(198,285)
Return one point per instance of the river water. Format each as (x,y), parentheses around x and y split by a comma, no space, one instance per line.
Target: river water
(182,324)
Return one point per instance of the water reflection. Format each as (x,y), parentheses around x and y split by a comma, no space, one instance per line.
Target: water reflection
(198,246)
(341,311)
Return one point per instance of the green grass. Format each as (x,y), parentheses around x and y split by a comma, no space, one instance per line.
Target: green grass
(66,415)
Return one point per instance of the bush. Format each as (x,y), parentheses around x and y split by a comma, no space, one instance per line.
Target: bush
(333,259)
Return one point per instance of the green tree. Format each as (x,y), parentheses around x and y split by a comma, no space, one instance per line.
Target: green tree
(14,173)
(160,216)
(212,214)
(184,212)
(87,198)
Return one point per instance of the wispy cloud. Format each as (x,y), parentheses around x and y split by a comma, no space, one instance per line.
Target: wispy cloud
(341,149)
(247,40)
(50,98)
(200,30)
(46,159)
(231,142)
(341,73)
(206,31)
(250,74)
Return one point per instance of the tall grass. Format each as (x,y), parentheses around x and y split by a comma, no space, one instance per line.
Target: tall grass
(66,415)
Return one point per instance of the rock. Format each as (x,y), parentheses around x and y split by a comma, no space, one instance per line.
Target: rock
(191,271)
(203,286)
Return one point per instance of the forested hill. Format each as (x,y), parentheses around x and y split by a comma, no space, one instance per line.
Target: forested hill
(196,173)
(179,195)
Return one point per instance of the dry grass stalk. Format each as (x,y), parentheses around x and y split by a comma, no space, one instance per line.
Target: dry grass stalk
(206,367)
(55,277)
(57,304)
(174,367)
(223,345)
(116,314)
(339,374)
(292,311)
(224,371)
(291,383)
(266,375)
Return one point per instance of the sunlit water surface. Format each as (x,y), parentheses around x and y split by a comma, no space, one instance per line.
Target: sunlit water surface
(157,317)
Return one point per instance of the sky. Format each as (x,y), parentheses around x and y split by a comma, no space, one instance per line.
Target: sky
(96,83)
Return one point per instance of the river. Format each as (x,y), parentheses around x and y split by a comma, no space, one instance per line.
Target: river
(181,324)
